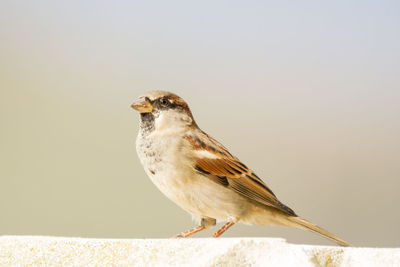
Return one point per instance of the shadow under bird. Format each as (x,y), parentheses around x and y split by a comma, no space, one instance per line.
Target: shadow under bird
(200,175)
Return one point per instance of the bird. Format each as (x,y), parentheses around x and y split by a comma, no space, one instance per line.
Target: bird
(200,175)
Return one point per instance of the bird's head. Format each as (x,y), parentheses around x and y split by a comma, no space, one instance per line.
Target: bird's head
(163,110)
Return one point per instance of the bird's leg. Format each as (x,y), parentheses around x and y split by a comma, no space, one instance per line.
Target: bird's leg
(190,232)
(223,229)
(205,224)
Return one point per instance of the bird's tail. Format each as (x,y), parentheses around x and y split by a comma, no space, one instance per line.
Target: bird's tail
(303,224)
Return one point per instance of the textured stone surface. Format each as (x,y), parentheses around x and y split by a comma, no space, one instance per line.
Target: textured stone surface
(60,251)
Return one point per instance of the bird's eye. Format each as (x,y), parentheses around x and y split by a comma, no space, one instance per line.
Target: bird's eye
(164,102)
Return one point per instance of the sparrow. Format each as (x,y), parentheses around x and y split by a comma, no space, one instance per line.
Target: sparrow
(200,175)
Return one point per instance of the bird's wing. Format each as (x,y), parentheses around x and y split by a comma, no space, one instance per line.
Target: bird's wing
(215,162)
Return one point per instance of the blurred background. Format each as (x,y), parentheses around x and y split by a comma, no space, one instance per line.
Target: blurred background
(305,93)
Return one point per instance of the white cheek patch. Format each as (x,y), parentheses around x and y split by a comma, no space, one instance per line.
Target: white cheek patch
(161,121)
(171,120)
(205,154)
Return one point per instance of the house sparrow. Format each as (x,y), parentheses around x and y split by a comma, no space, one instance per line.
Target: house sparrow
(200,175)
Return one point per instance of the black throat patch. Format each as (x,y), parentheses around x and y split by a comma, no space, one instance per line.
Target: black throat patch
(146,123)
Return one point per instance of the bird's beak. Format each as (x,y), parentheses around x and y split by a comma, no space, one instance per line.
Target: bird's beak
(143,105)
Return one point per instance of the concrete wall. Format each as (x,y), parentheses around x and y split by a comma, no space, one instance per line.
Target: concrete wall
(57,251)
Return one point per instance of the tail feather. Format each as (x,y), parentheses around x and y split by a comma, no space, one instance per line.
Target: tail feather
(303,224)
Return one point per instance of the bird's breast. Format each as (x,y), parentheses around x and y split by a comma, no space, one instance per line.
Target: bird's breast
(165,163)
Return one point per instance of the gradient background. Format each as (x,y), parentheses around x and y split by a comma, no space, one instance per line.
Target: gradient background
(306,93)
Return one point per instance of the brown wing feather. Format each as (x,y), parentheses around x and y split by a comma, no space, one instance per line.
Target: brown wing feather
(228,171)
